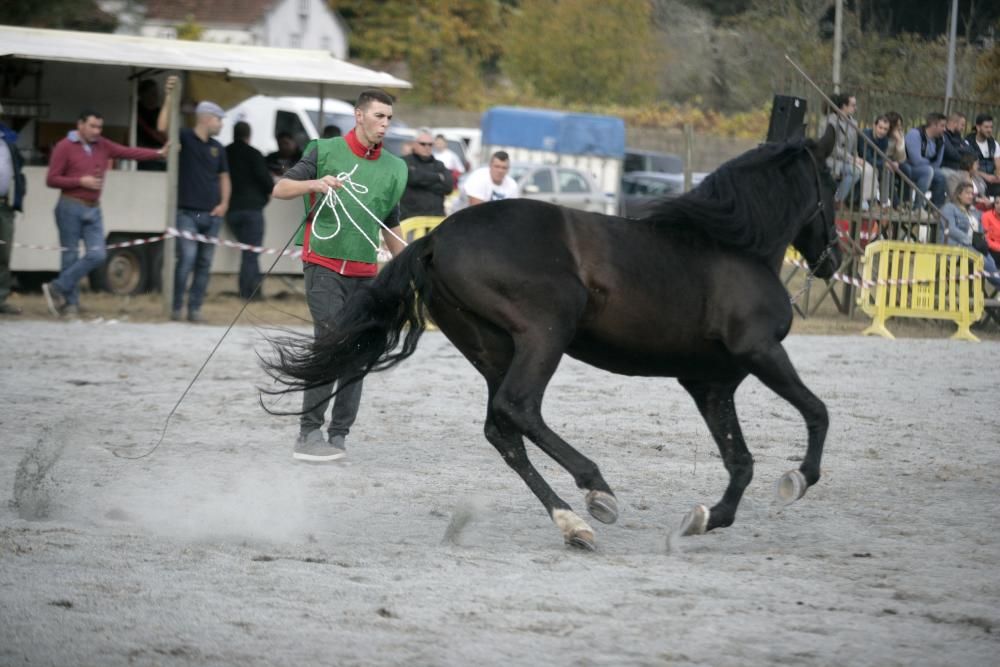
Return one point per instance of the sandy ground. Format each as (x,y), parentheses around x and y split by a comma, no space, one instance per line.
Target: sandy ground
(424,549)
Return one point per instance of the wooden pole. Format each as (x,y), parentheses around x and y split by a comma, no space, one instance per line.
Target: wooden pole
(838,38)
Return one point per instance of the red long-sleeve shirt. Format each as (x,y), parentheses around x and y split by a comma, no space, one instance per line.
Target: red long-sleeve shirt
(70,161)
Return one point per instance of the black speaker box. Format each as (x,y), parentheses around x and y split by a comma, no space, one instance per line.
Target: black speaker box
(788,116)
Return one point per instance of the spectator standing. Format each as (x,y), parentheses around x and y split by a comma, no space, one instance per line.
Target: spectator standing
(331,131)
(985,145)
(251,184)
(147,113)
(428,180)
(12,189)
(961,220)
(340,258)
(844,163)
(203,190)
(288,153)
(451,161)
(77,168)
(492,182)
(924,152)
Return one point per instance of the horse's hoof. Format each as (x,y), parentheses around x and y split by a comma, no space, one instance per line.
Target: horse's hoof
(791,486)
(582,539)
(602,506)
(696,521)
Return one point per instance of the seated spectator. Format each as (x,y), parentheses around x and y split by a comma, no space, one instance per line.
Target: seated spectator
(844,163)
(897,155)
(991,230)
(924,151)
(960,220)
(285,157)
(968,172)
(878,135)
(331,131)
(986,148)
(955,145)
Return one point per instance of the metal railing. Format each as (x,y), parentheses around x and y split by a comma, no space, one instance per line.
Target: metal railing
(884,203)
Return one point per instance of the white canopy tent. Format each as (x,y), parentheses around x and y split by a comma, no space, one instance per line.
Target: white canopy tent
(267,71)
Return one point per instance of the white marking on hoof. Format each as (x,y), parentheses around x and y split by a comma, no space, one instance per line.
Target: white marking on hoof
(602,506)
(696,521)
(575,530)
(791,486)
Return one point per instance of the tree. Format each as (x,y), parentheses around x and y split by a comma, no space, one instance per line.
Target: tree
(447,44)
(594,51)
(63,14)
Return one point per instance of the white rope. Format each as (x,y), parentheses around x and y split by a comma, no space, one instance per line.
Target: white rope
(332,200)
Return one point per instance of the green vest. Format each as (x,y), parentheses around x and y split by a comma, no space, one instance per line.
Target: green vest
(378,184)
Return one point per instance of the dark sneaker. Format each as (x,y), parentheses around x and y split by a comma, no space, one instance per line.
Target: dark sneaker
(196,316)
(54,297)
(70,310)
(312,447)
(176,316)
(9,309)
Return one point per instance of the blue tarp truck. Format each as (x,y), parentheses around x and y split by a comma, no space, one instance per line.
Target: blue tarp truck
(592,143)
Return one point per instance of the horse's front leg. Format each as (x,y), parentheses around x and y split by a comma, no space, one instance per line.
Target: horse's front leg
(774,369)
(715,402)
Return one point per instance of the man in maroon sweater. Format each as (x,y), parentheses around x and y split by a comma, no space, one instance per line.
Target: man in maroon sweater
(77,168)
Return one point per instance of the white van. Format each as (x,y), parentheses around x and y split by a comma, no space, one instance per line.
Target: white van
(299,116)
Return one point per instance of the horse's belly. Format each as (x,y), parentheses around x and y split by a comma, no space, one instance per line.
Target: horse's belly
(705,359)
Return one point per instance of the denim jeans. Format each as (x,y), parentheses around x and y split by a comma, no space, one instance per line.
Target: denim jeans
(78,222)
(194,256)
(7,236)
(850,174)
(927,178)
(248,227)
(326,293)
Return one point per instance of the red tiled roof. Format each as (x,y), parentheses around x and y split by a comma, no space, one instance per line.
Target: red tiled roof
(241,12)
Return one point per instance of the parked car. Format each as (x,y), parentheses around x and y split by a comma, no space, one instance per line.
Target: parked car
(565,186)
(640,160)
(641,190)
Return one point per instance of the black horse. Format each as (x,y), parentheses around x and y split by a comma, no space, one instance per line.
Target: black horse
(692,292)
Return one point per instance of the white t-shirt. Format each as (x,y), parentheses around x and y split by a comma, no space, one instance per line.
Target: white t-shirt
(984,149)
(478,184)
(450,160)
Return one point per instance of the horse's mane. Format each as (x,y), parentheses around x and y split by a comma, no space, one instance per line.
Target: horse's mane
(751,202)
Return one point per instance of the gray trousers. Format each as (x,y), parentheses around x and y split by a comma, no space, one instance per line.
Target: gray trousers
(326,293)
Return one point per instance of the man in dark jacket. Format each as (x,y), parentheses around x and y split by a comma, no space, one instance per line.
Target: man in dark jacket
(955,144)
(252,185)
(428,180)
(12,187)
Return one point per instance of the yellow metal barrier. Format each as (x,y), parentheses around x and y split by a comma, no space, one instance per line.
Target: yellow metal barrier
(421,225)
(415,227)
(921,280)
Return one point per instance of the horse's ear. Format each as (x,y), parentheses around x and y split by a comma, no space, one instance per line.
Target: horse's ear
(824,147)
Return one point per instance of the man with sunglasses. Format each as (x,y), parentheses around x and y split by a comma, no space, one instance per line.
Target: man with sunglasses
(428,180)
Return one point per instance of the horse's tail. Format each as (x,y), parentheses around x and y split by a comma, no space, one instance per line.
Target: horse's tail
(365,334)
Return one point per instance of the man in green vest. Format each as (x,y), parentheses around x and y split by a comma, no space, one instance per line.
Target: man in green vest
(351,188)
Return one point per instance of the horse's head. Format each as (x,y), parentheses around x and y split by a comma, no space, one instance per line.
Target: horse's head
(817,238)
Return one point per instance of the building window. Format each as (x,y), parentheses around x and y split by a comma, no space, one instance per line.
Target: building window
(295,40)
(304,8)
(324,42)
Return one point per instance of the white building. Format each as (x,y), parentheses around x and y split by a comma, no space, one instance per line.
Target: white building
(306,24)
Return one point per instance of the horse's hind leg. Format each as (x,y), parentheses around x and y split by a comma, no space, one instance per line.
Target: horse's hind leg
(773,368)
(518,401)
(490,350)
(715,402)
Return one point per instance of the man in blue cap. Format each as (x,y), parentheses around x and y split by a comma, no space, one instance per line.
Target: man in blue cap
(203,189)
